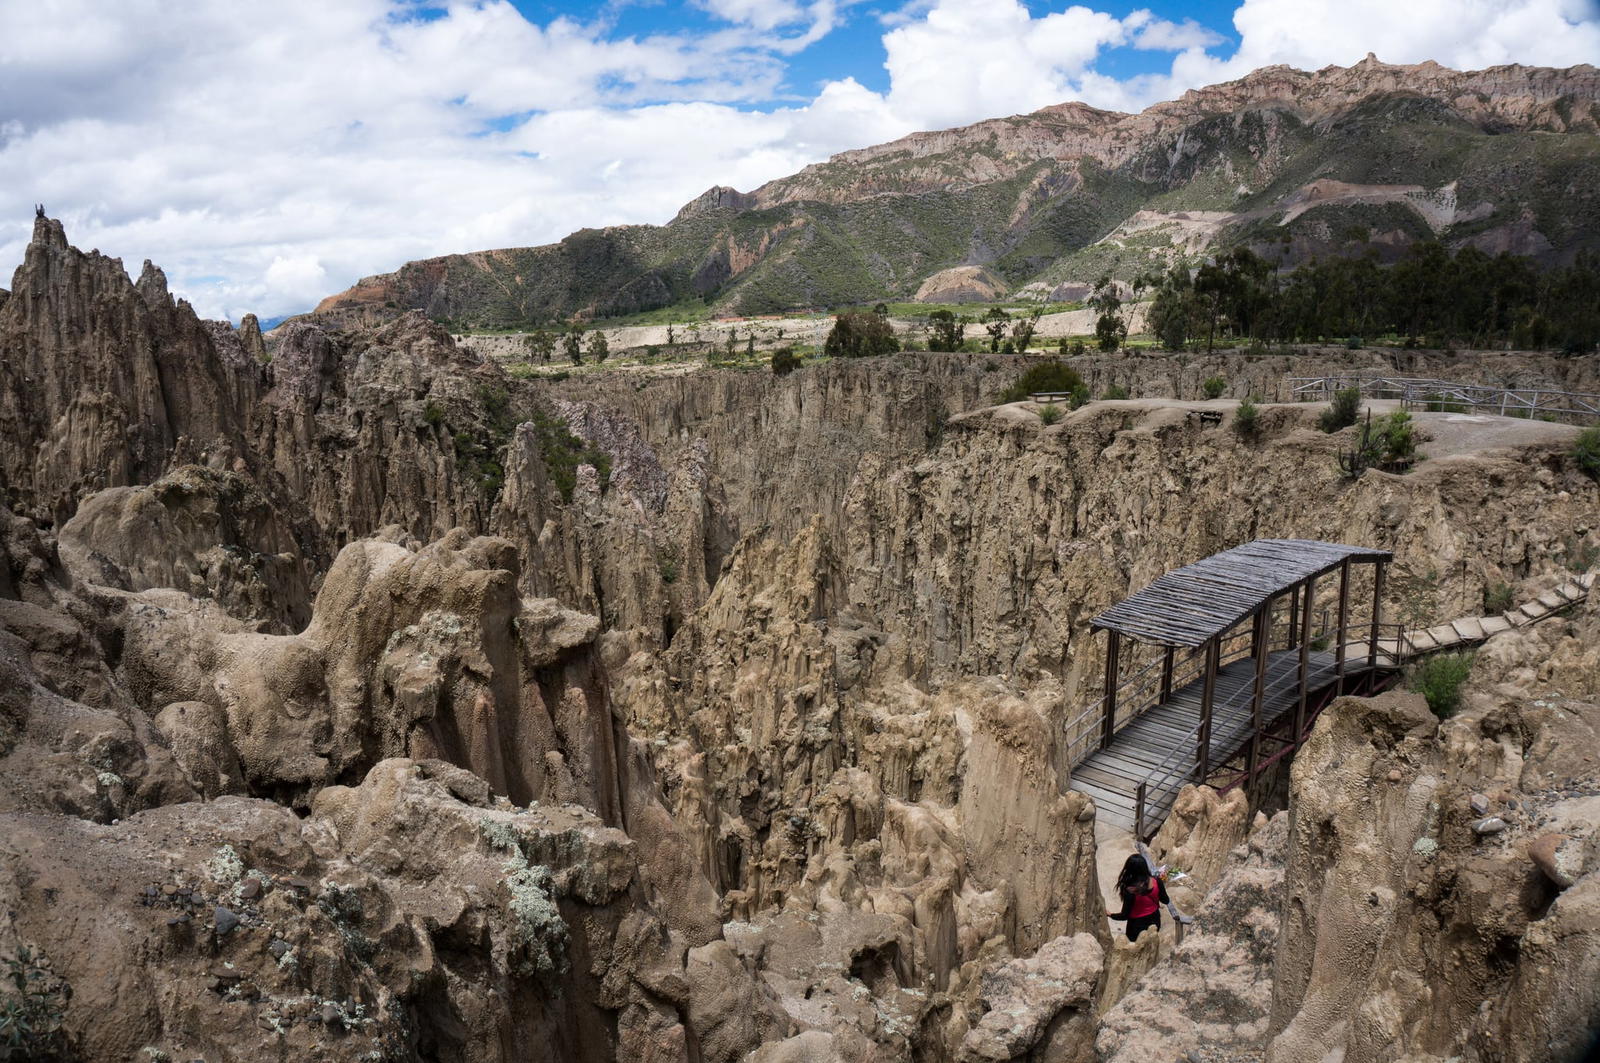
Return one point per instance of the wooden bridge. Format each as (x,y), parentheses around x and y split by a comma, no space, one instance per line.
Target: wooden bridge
(1239,661)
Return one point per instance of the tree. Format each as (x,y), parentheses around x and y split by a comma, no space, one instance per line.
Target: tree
(784,361)
(540,345)
(750,342)
(1022,332)
(881,310)
(1172,310)
(730,345)
(995,322)
(1051,377)
(573,342)
(946,332)
(860,336)
(1109,328)
(671,338)
(598,347)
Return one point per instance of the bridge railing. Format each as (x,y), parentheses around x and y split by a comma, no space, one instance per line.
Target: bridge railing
(1160,786)
(1454,397)
(1141,691)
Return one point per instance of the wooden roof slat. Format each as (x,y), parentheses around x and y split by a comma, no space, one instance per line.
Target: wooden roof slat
(1191,605)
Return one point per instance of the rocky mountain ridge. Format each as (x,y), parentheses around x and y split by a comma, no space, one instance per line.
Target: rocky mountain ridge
(1285,161)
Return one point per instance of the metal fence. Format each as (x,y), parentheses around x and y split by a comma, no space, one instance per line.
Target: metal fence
(1543,403)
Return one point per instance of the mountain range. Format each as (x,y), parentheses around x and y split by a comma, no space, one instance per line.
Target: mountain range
(1293,164)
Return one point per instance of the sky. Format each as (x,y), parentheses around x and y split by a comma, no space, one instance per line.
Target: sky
(268,155)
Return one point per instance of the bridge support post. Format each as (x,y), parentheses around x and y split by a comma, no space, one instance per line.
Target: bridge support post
(1259,693)
(1208,694)
(1108,725)
(1377,614)
(1305,662)
(1344,618)
(1166,673)
(1294,620)
(1138,814)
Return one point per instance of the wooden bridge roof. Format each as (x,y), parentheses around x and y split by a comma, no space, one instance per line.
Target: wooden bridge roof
(1191,605)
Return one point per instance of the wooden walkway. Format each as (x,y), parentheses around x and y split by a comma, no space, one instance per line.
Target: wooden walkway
(1160,747)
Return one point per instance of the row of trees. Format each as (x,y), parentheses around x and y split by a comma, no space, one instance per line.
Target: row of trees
(1432,297)
(542,344)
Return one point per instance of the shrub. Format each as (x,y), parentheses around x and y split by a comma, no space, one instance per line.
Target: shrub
(1079,396)
(1586,451)
(1115,391)
(563,452)
(1214,387)
(1343,412)
(860,336)
(1353,343)
(433,415)
(1399,439)
(1247,420)
(1079,348)
(1497,598)
(1050,376)
(784,361)
(1439,680)
(33,1004)
(1049,413)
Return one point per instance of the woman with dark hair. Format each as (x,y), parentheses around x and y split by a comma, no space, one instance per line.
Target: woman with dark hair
(1143,893)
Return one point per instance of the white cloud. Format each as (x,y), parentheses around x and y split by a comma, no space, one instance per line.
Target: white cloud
(269,154)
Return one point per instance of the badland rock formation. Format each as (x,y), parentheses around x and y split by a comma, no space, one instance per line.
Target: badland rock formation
(358,698)
(1293,164)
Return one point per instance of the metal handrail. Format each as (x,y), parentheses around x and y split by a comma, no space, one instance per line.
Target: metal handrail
(1141,682)
(1415,390)
(1164,774)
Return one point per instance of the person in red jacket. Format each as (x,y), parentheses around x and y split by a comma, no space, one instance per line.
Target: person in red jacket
(1143,893)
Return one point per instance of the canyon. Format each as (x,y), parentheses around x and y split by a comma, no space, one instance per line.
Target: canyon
(363,700)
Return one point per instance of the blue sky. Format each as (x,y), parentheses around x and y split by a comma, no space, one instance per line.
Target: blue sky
(268,155)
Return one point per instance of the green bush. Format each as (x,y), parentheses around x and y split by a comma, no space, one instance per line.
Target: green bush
(1399,439)
(433,415)
(1343,412)
(33,1003)
(1439,680)
(1586,451)
(1497,598)
(860,336)
(563,452)
(1214,387)
(1080,395)
(1048,376)
(784,361)
(1115,391)
(1353,343)
(1049,413)
(1247,420)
